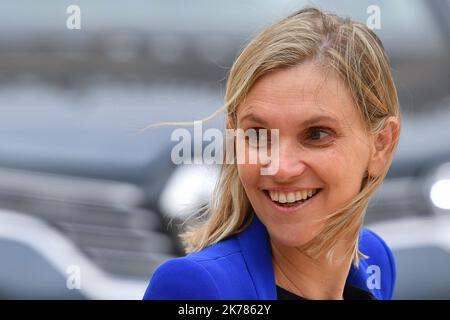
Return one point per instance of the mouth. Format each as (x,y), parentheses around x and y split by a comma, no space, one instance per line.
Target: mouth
(291,201)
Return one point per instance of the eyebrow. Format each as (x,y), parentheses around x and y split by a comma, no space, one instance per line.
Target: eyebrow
(311,121)
(254,118)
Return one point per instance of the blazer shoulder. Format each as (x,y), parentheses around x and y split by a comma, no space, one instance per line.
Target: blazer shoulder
(381,260)
(195,276)
(181,279)
(216,251)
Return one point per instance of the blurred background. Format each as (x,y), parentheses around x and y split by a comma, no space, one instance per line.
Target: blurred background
(89,204)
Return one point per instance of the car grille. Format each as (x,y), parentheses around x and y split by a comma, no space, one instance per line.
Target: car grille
(117,235)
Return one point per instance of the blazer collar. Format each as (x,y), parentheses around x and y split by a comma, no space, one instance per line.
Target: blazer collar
(255,246)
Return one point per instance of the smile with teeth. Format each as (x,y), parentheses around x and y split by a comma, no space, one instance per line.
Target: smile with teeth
(292,197)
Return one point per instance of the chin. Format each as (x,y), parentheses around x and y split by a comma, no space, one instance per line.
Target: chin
(291,236)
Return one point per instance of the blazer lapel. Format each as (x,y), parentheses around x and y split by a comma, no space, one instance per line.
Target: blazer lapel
(255,246)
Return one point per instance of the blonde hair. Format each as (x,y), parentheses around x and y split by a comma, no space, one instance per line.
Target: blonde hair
(357,55)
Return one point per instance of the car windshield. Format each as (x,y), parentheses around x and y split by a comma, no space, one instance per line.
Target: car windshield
(74,100)
(81,96)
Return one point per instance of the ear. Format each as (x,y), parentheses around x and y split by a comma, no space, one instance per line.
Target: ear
(383,145)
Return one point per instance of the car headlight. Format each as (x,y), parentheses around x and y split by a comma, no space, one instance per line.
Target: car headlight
(189,186)
(439,191)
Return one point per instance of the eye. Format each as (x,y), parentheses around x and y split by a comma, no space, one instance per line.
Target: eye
(319,135)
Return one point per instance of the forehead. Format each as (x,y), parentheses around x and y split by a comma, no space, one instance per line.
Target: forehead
(298,93)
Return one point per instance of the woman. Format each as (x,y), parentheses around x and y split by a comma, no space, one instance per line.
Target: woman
(325,83)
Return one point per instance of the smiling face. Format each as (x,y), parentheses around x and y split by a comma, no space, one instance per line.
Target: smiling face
(324,150)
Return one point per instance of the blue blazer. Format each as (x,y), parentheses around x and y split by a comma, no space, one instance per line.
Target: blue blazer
(240,267)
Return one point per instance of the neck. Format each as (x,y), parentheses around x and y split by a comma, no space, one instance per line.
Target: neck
(311,278)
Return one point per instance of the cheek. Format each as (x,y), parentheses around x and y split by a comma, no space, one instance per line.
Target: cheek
(344,168)
(248,173)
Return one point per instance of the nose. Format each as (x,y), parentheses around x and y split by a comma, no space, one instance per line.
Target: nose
(290,163)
